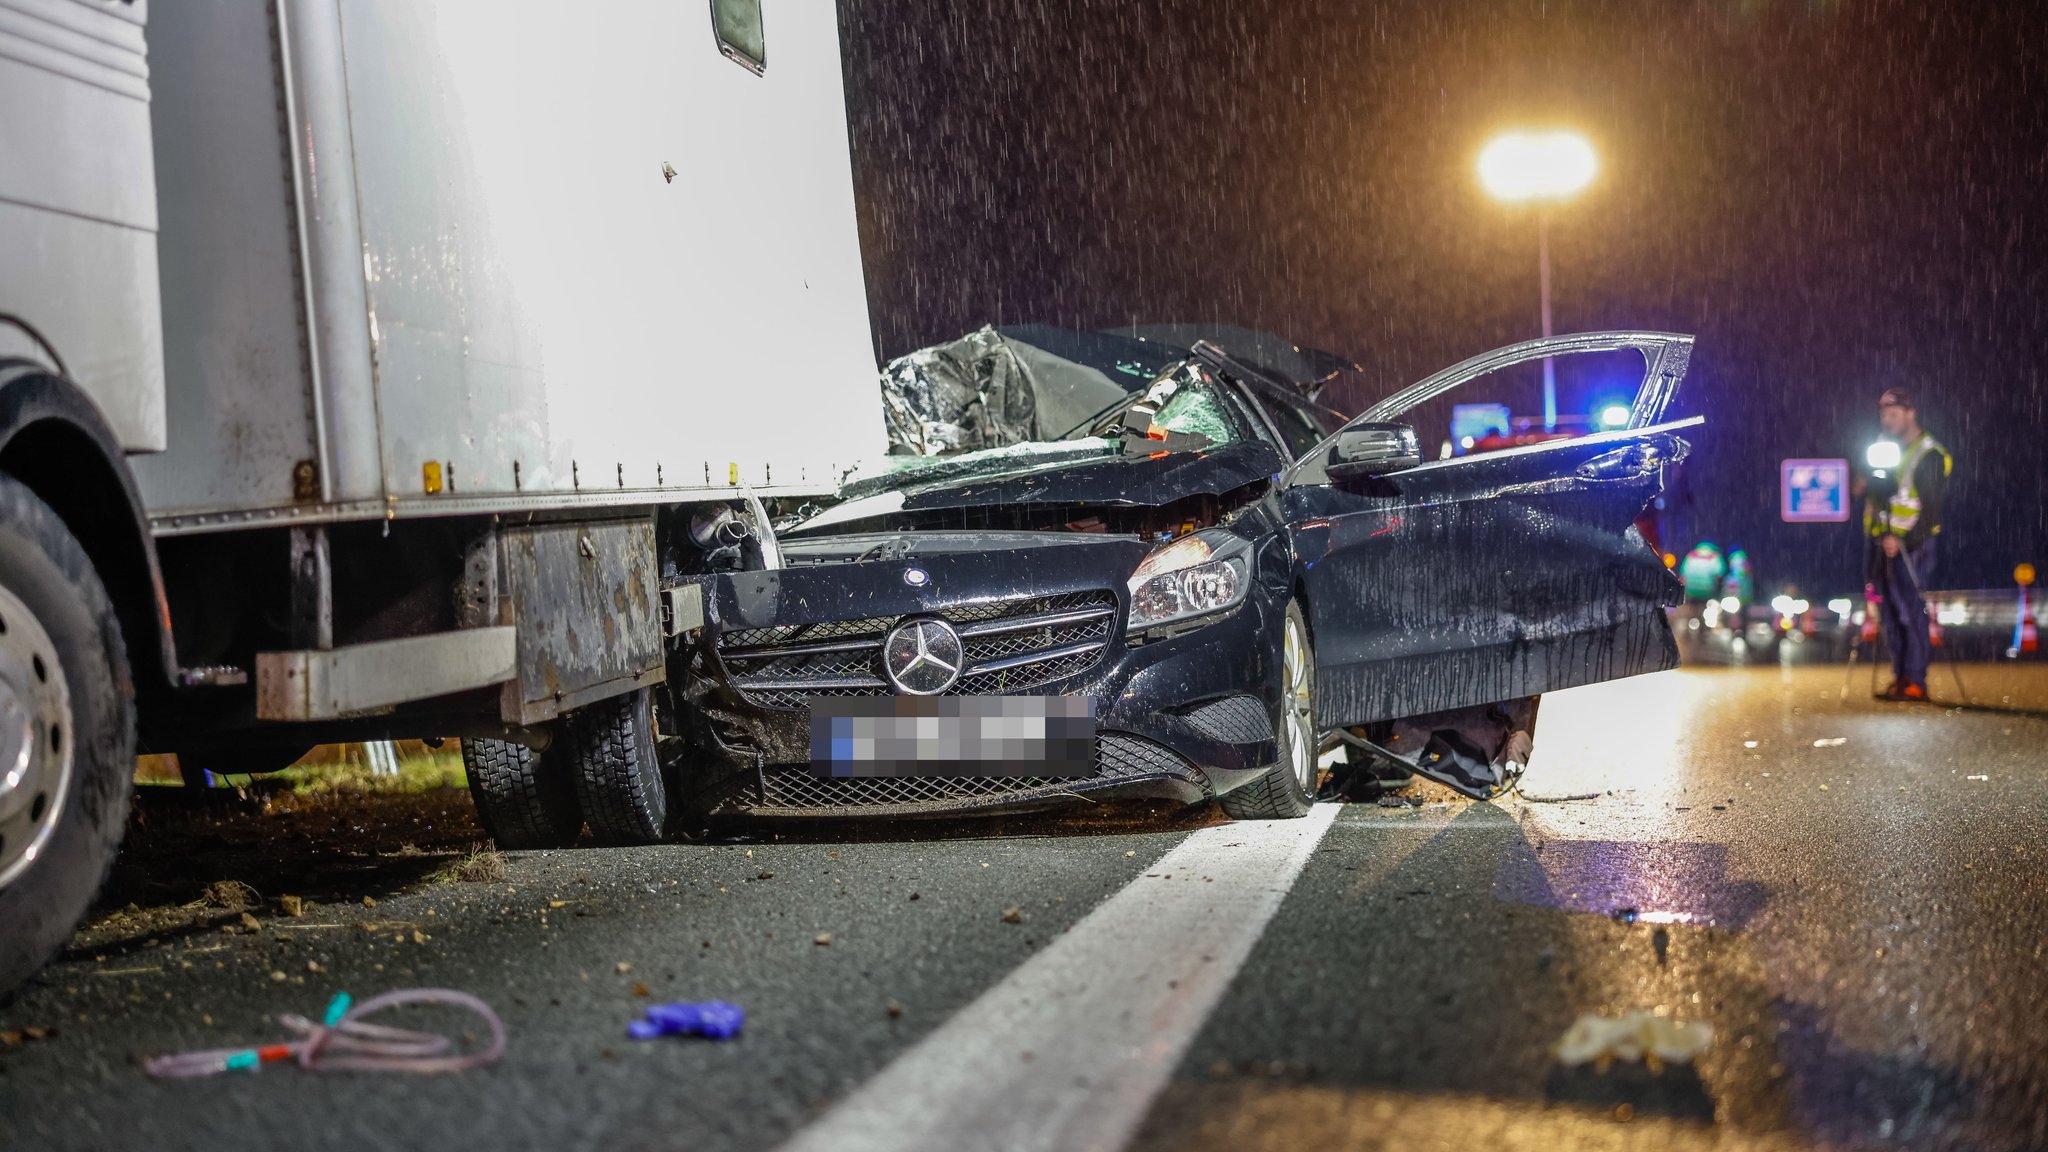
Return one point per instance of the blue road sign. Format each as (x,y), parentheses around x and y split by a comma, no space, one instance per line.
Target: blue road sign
(1813,491)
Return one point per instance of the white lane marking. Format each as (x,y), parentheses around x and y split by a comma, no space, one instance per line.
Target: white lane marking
(1070,1049)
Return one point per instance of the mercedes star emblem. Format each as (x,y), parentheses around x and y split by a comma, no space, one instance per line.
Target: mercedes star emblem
(922,657)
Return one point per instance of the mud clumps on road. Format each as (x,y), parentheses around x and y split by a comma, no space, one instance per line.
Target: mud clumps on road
(483,865)
(229,896)
(201,862)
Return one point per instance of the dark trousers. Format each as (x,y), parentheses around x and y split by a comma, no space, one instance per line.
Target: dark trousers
(1905,609)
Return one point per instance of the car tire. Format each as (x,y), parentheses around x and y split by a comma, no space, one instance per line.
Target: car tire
(617,772)
(1287,789)
(67,725)
(524,798)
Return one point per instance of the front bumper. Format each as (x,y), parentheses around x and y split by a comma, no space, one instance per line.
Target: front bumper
(1181,718)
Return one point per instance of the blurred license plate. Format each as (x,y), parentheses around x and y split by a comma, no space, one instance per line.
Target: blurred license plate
(953,736)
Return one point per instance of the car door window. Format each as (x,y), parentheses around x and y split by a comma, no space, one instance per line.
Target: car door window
(1504,409)
(1643,370)
(1489,578)
(1664,358)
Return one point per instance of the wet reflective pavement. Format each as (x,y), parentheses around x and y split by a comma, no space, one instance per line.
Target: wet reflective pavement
(1861,922)
(1851,893)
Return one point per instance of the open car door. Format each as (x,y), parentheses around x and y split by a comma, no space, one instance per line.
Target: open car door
(1449,583)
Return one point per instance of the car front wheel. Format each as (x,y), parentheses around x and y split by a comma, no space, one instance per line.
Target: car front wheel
(1288,787)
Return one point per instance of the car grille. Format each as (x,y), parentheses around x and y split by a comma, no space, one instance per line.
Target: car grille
(794,788)
(1011,646)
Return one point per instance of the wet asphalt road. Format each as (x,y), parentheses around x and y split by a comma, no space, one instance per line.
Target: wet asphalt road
(1864,925)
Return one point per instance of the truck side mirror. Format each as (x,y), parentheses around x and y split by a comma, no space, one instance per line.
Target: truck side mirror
(1373,450)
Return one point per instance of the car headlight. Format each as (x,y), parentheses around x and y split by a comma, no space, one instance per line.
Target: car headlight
(1193,576)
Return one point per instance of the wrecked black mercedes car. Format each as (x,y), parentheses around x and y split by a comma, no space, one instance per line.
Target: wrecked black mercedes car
(1110,565)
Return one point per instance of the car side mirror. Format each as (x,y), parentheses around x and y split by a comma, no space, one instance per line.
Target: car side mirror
(1373,450)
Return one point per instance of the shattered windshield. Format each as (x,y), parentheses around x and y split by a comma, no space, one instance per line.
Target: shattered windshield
(1183,401)
(1197,410)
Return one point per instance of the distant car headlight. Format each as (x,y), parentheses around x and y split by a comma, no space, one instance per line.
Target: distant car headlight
(1194,576)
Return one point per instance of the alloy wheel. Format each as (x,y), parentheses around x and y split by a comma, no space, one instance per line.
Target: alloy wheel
(1299,703)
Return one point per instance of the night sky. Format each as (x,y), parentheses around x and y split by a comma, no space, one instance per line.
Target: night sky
(1835,197)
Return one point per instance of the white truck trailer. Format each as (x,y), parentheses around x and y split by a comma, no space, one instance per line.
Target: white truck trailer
(364,365)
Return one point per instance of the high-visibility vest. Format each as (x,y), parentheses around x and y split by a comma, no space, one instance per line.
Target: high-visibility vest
(1905,503)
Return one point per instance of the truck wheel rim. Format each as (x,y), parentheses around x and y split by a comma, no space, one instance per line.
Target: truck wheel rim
(1300,727)
(35,738)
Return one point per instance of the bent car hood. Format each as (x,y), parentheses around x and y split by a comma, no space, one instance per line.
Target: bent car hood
(1105,479)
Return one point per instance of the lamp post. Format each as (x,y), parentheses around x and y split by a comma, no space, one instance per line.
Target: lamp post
(1543,167)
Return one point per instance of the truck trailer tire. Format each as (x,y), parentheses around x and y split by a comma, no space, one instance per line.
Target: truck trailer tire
(67,733)
(618,774)
(524,798)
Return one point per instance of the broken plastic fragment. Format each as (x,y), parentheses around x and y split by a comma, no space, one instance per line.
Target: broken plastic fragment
(1833,742)
(1638,1035)
(711,1019)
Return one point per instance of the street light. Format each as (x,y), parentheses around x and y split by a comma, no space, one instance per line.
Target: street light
(1518,167)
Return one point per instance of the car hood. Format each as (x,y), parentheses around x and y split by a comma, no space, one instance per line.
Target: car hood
(1105,478)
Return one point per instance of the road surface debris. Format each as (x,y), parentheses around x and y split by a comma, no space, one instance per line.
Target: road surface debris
(711,1019)
(1655,1040)
(342,1041)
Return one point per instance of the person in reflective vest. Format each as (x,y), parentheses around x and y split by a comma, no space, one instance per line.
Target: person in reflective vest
(1903,528)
